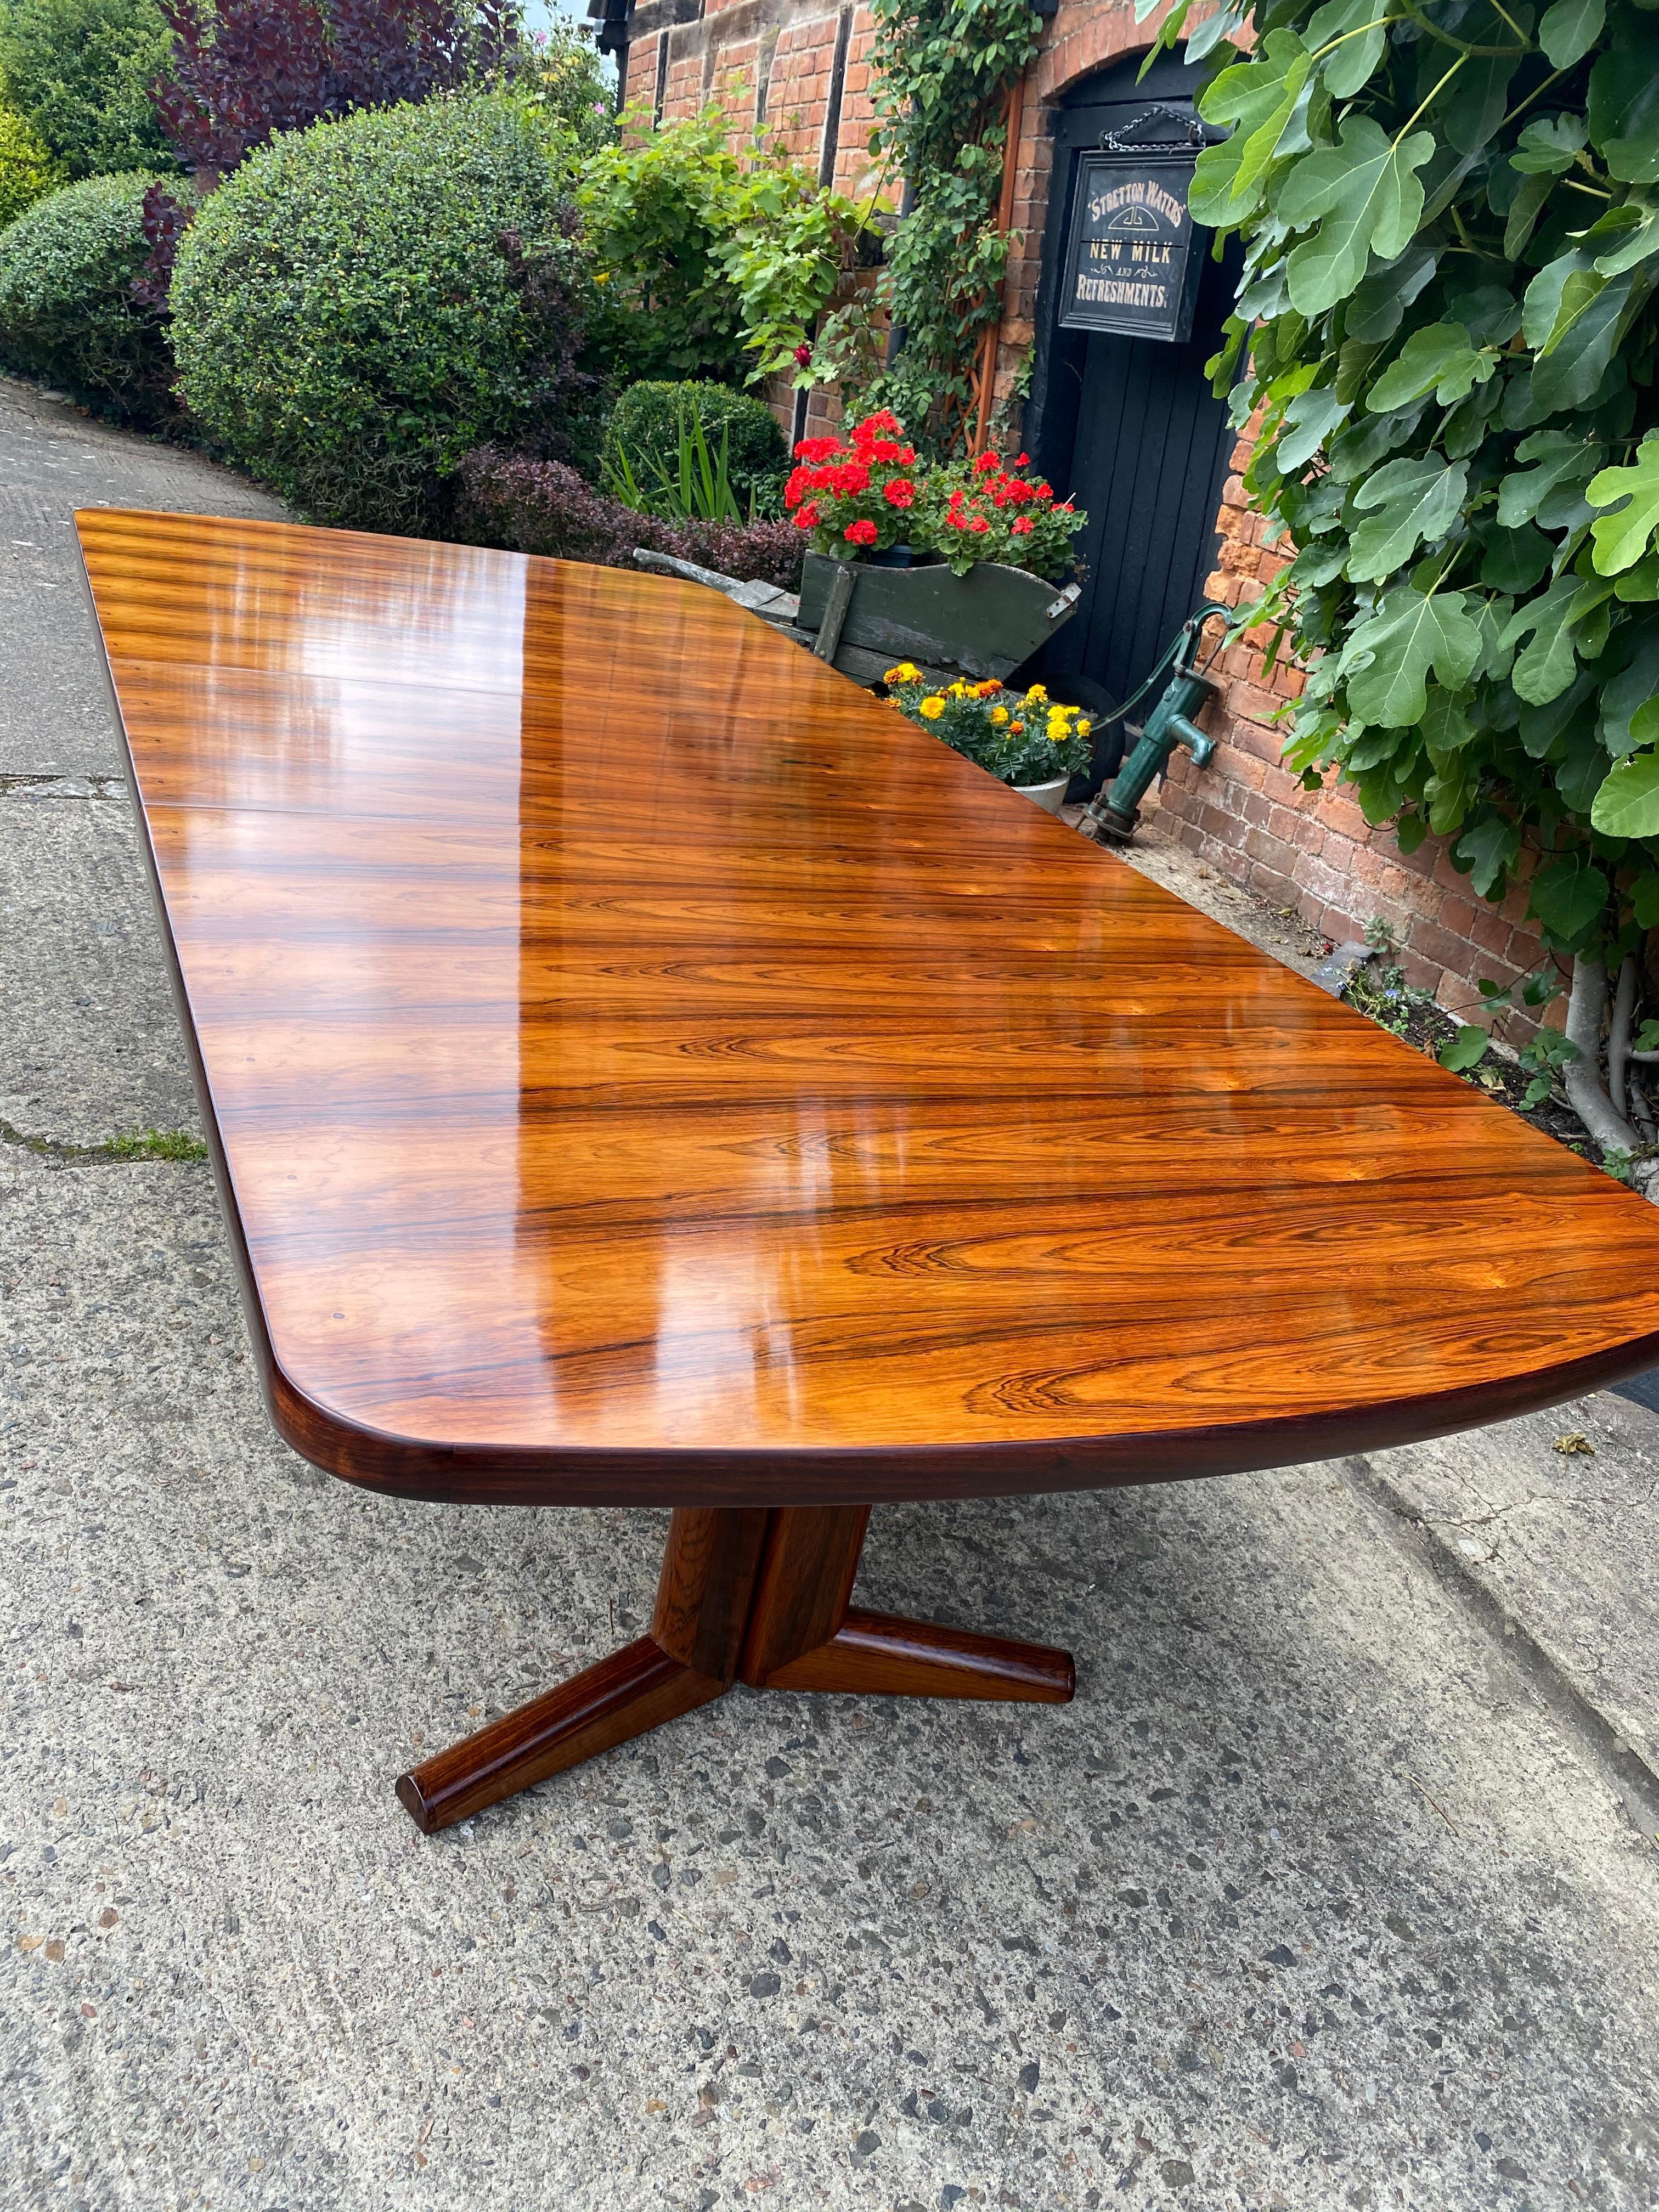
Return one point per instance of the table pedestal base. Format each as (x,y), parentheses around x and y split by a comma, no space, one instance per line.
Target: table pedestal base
(752,1595)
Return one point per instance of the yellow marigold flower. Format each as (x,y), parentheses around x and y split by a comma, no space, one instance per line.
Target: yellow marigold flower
(999,715)
(990,688)
(906,672)
(1084,726)
(1035,694)
(932,707)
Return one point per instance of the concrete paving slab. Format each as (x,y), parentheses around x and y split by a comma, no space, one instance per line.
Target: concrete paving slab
(89,1045)
(1556,1518)
(54,710)
(1308,1900)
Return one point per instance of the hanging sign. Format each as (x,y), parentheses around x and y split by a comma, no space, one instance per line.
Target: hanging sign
(1133,260)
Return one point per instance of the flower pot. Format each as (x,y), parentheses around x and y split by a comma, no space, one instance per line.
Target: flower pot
(1051,796)
(986,621)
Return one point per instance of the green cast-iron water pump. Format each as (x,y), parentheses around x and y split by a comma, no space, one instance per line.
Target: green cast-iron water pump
(1116,810)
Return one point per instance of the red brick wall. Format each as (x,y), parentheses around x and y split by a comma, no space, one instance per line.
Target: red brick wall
(738,50)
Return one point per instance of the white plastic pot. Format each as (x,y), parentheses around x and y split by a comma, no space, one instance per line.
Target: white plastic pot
(1051,796)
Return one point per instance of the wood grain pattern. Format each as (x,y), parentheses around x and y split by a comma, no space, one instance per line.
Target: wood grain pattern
(804,1586)
(706,1587)
(644,1068)
(636,1689)
(879,1654)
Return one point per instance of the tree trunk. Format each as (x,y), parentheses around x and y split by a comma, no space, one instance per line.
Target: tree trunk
(1587,1009)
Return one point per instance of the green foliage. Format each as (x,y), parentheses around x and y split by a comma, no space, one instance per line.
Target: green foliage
(695,487)
(940,69)
(67,309)
(1451,219)
(1380,991)
(364,300)
(648,425)
(28,172)
(710,266)
(559,78)
(80,71)
(1465,1050)
(1544,1056)
(156,1145)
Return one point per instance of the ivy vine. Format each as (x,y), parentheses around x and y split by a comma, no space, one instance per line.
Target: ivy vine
(941,68)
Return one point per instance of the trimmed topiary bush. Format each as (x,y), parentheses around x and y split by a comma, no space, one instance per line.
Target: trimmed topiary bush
(67,309)
(365,301)
(28,172)
(80,71)
(645,423)
(528,506)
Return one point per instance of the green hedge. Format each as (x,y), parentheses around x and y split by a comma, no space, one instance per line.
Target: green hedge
(364,302)
(645,423)
(28,172)
(80,72)
(67,310)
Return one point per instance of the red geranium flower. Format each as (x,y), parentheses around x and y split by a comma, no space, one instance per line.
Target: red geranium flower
(877,426)
(1022,460)
(860,533)
(979,525)
(817,449)
(1022,525)
(986,462)
(808,517)
(900,493)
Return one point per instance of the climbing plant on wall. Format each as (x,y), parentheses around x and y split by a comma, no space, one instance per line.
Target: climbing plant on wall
(1450,210)
(941,69)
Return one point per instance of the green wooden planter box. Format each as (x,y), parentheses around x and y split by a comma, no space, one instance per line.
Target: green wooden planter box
(986,623)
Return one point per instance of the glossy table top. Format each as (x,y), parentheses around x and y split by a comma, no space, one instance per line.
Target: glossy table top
(647,1068)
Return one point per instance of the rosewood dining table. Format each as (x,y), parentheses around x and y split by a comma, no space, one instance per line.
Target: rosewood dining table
(642,1070)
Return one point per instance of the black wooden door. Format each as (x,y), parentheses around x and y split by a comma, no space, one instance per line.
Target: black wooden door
(1129,428)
